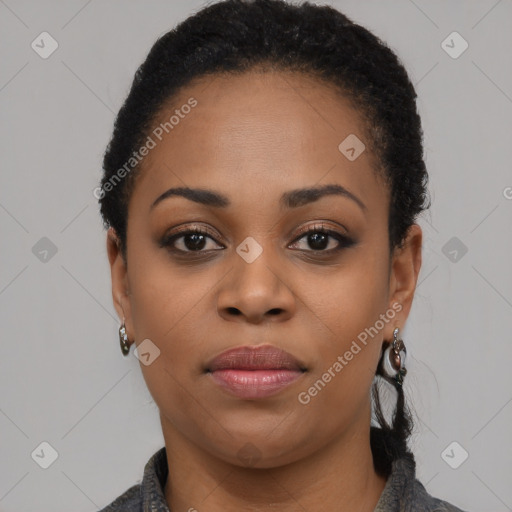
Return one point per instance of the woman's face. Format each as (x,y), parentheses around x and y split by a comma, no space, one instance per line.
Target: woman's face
(255,277)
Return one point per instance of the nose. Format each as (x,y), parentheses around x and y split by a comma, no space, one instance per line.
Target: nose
(257,292)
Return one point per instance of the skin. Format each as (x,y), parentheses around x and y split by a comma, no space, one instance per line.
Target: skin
(253,137)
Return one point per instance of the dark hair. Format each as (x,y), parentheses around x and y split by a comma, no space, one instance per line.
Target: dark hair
(236,36)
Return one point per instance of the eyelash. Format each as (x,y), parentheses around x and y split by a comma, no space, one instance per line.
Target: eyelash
(344,241)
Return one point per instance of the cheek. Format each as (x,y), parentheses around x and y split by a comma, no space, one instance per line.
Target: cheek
(176,400)
(172,308)
(350,331)
(166,308)
(162,294)
(338,389)
(354,297)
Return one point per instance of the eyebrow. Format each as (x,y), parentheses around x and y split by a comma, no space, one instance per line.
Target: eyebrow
(291,199)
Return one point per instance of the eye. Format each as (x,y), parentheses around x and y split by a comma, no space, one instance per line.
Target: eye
(189,240)
(195,240)
(319,238)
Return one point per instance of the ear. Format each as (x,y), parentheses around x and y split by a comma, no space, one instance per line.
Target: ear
(119,277)
(405,268)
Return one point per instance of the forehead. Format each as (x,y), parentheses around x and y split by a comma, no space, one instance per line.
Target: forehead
(253,133)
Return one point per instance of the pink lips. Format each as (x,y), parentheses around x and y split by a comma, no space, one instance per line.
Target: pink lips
(254,371)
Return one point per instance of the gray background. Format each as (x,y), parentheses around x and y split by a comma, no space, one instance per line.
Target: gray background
(63,379)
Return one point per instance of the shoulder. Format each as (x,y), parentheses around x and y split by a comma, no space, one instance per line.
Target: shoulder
(405,493)
(149,494)
(129,501)
(419,500)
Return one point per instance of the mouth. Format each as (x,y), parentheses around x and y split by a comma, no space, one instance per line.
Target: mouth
(253,358)
(253,372)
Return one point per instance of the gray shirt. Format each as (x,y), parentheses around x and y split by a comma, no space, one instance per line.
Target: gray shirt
(402,492)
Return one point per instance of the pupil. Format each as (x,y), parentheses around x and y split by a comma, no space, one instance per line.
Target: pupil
(197,241)
(318,241)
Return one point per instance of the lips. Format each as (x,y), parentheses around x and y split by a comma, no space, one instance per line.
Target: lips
(261,357)
(254,372)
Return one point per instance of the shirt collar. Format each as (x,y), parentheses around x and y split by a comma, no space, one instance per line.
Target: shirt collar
(153,483)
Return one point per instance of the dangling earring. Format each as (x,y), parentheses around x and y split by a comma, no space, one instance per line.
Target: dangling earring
(123,340)
(393,359)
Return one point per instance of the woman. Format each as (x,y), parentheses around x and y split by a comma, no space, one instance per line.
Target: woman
(260,192)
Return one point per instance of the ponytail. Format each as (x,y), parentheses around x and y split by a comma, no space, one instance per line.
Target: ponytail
(389,442)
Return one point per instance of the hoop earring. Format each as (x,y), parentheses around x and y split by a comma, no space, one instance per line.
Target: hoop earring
(123,340)
(393,359)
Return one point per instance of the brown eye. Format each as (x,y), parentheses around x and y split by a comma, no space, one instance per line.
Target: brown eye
(190,240)
(320,239)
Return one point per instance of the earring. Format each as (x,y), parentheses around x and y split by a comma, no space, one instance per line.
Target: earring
(123,340)
(393,359)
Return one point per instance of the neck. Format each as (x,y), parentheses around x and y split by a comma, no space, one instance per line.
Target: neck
(338,477)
